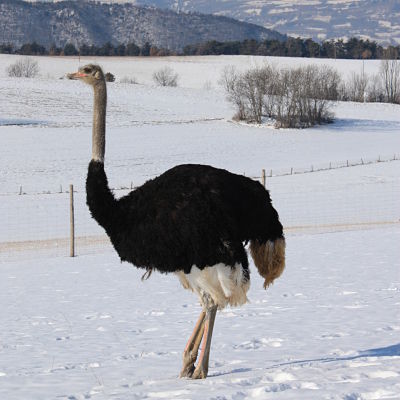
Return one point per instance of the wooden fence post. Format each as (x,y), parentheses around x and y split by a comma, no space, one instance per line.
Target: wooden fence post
(263,178)
(72,221)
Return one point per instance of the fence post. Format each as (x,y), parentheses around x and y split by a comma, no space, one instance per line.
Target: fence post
(72,221)
(263,178)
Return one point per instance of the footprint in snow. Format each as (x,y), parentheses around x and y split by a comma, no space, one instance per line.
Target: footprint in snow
(246,381)
(257,343)
(63,338)
(97,316)
(382,374)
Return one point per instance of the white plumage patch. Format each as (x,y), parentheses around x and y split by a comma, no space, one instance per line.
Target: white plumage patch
(224,284)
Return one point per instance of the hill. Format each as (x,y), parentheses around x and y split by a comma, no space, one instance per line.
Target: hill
(376,20)
(96,23)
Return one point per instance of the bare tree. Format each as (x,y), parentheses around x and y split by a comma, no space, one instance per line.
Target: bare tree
(251,91)
(284,110)
(23,68)
(356,87)
(293,97)
(230,80)
(375,90)
(166,77)
(329,81)
(303,96)
(390,75)
(252,88)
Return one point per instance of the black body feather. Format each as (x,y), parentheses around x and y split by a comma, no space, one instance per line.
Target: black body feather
(190,215)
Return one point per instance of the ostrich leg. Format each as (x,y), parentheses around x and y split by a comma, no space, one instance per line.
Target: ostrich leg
(201,370)
(192,347)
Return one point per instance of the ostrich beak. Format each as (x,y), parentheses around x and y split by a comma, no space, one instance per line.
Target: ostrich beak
(76,75)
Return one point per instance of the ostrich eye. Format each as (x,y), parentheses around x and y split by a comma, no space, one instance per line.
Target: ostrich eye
(87,70)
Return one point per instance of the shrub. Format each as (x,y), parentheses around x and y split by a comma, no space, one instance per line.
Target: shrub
(23,68)
(356,88)
(375,90)
(230,80)
(130,80)
(366,88)
(166,77)
(390,75)
(297,97)
(109,77)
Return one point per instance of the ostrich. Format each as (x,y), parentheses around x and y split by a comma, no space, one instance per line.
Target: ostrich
(193,221)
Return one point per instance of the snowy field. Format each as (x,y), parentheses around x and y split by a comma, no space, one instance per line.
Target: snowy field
(87,327)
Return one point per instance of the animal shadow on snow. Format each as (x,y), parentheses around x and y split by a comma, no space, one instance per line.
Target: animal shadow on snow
(389,351)
(234,371)
(361,124)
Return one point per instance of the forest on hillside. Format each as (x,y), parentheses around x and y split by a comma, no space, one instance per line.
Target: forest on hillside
(292,47)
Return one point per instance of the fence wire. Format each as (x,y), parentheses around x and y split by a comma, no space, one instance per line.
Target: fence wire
(39,224)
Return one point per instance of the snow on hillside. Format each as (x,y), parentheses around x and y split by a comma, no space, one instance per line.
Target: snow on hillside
(87,327)
(317,19)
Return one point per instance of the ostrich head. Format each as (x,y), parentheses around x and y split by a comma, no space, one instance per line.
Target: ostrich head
(91,74)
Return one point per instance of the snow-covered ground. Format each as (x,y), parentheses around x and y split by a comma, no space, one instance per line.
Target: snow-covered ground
(87,327)
(194,72)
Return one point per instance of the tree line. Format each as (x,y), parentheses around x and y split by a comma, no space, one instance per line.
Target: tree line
(107,49)
(293,47)
(296,47)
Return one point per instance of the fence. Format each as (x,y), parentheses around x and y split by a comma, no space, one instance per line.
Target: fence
(41,223)
(324,167)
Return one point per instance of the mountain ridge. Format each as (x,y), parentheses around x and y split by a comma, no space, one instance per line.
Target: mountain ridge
(87,22)
(377,20)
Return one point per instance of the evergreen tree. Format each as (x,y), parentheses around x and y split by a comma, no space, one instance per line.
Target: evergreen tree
(145,50)
(132,49)
(70,50)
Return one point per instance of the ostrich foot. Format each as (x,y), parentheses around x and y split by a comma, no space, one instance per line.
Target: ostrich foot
(187,369)
(189,358)
(200,372)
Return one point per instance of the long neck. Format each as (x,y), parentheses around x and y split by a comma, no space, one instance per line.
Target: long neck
(99,122)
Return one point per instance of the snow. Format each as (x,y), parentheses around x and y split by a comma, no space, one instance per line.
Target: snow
(207,69)
(87,327)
